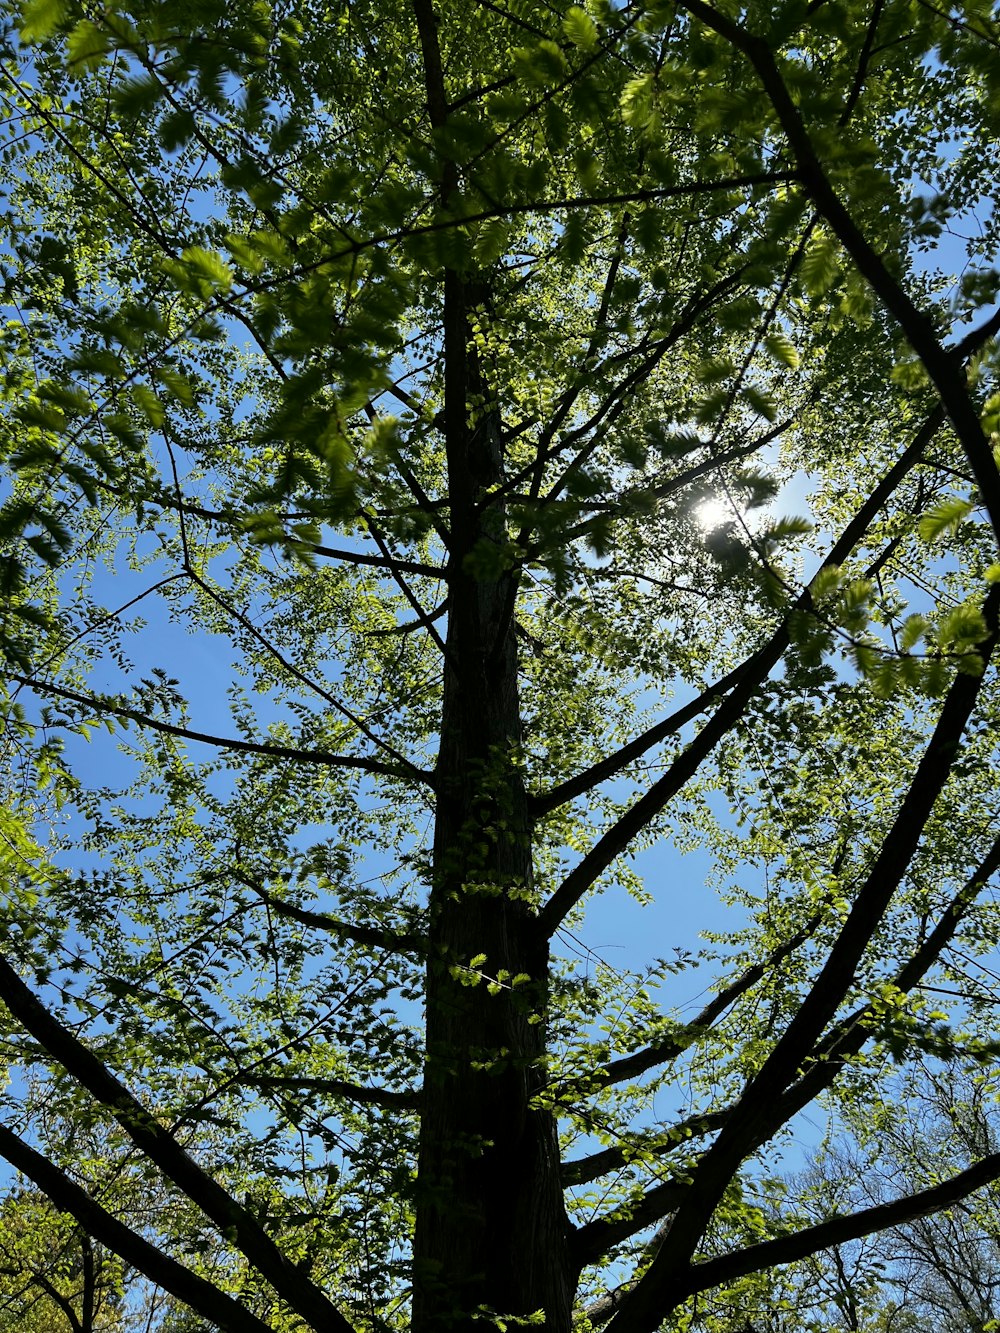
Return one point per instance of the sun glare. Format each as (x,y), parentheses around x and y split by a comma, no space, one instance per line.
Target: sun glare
(711,514)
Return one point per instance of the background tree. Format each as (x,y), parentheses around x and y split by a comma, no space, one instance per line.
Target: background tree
(434,369)
(939,1271)
(50,1276)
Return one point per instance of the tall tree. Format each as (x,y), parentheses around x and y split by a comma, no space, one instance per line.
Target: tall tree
(434,367)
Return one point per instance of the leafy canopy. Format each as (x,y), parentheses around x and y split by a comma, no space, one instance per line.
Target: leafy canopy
(449,451)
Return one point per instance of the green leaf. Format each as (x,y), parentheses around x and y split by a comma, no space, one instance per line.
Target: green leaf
(760,402)
(782,349)
(177,129)
(580,28)
(543,65)
(137,97)
(41,19)
(588,170)
(87,45)
(884,681)
(638,101)
(792,525)
(715,370)
(820,266)
(491,241)
(177,385)
(914,629)
(199,271)
(854,598)
(910,375)
(33,615)
(648,228)
(826,582)
(944,519)
(962,625)
(148,404)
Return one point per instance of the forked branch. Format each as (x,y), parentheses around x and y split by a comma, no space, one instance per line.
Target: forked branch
(664,1284)
(159,1146)
(200,1295)
(742,679)
(840,1230)
(115,707)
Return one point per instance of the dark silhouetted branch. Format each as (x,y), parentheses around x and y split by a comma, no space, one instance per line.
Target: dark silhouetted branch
(660,1052)
(202,1297)
(334,1087)
(373,936)
(594,1239)
(101,703)
(662,1286)
(159,1146)
(748,678)
(580,1170)
(839,1230)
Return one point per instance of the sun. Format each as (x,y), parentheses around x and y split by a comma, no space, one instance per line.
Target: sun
(712,513)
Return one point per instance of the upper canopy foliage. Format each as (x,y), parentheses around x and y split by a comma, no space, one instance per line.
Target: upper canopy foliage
(453,376)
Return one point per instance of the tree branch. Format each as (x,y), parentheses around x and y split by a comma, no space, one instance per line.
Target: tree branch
(335,1087)
(157,1144)
(89,1301)
(839,1230)
(392,564)
(631,1066)
(663,1285)
(849,1035)
(400,762)
(614,402)
(202,1297)
(231,519)
(845,1040)
(943,366)
(102,703)
(423,620)
(545,802)
(627,501)
(538,208)
(372,936)
(593,1240)
(583,1169)
(857,87)
(601,1311)
(64,1304)
(749,676)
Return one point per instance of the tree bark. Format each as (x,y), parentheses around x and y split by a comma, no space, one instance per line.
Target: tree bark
(491,1229)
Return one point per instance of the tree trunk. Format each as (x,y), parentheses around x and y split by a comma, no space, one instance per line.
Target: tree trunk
(491,1229)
